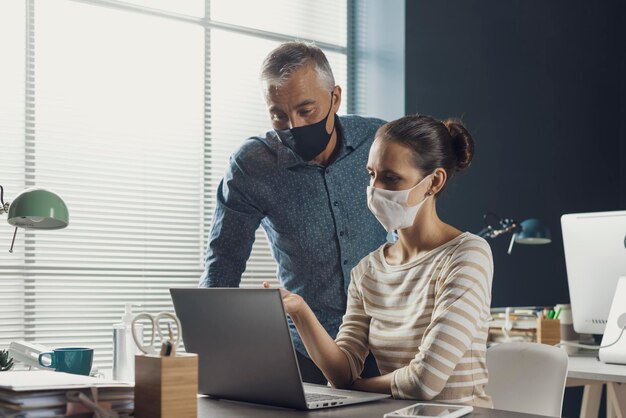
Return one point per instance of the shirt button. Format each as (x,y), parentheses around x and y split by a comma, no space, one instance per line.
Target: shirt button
(345,262)
(336,203)
(341,233)
(328,171)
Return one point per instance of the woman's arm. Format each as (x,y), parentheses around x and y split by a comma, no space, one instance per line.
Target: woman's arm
(320,346)
(378,384)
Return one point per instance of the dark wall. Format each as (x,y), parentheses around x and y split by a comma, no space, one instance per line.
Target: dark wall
(623,104)
(538,85)
(541,85)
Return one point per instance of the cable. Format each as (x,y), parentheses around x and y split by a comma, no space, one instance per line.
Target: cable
(593,347)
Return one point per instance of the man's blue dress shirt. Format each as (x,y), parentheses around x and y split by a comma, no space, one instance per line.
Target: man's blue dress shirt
(316,218)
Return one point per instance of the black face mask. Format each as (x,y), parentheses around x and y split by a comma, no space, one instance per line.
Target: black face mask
(308,141)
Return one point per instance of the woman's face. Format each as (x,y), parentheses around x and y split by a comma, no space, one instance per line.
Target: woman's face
(390,167)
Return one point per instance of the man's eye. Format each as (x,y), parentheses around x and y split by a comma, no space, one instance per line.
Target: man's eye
(306,112)
(278,117)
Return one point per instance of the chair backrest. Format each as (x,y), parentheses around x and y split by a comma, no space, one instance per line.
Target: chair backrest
(527,377)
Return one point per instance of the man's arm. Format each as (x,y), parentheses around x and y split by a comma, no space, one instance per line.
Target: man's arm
(235,221)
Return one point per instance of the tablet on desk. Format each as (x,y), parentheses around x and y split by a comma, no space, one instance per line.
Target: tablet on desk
(426,410)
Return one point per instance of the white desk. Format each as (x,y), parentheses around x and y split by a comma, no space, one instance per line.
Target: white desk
(593,374)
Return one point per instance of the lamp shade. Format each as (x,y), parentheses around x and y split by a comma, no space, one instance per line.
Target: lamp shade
(533,231)
(38,209)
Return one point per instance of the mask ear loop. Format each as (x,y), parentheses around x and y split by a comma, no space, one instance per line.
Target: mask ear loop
(430,192)
(328,114)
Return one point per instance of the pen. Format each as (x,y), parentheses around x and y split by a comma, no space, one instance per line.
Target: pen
(556,315)
(551,314)
(172,350)
(166,349)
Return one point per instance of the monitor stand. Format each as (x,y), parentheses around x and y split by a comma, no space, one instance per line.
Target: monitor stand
(614,325)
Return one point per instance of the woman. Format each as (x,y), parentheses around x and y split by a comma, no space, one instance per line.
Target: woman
(421,304)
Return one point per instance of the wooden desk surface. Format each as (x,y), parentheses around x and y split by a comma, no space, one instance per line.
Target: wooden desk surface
(212,408)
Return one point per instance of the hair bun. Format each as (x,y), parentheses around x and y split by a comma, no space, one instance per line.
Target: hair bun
(462,142)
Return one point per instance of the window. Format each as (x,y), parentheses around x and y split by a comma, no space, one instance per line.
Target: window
(129,111)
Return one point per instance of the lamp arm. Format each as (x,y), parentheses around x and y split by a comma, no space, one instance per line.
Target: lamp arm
(4,207)
(485,232)
(506,225)
(13,240)
(511,244)
(493,233)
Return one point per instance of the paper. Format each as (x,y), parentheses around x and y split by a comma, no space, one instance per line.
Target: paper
(49,380)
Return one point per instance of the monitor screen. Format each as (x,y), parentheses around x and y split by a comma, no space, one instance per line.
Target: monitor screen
(595,257)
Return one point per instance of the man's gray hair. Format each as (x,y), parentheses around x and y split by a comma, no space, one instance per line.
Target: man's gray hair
(289,57)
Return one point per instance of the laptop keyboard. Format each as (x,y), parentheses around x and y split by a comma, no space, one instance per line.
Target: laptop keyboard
(320,397)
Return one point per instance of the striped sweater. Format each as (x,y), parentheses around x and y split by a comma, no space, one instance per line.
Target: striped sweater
(424,321)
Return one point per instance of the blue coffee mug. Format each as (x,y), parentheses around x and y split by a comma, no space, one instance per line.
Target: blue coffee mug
(69,360)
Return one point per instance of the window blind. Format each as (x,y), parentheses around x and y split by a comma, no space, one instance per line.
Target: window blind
(129,112)
(12,129)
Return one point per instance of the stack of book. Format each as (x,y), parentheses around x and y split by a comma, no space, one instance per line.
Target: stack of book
(43,394)
(522,322)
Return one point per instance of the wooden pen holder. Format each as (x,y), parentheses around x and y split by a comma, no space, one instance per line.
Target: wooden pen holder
(548,331)
(166,387)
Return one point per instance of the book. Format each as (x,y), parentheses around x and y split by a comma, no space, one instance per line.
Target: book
(43,394)
(48,380)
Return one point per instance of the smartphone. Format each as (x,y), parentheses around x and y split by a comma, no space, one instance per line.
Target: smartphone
(430,410)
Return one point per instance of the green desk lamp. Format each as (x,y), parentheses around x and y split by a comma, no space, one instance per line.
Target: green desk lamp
(35,208)
(531,231)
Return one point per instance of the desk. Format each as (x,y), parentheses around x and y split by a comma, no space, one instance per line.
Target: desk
(593,374)
(211,408)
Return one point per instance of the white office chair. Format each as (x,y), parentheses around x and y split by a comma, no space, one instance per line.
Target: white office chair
(527,377)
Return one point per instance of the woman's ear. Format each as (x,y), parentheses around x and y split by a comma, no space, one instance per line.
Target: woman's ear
(438,180)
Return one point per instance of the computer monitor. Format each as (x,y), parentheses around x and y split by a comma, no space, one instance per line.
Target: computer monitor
(595,257)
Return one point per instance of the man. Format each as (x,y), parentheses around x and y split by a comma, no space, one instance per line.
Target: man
(305,183)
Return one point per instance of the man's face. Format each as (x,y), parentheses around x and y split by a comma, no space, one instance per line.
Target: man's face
(302,100)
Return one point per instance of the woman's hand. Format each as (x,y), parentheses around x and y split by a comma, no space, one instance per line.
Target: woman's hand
(320,346)
(294,304)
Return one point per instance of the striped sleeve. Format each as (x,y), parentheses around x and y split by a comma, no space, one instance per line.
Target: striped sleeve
(462,299)
(353,334)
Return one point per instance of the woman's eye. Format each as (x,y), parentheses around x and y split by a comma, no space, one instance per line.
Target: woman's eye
(390,179)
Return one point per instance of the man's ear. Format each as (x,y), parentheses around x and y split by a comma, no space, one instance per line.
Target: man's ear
(336,99)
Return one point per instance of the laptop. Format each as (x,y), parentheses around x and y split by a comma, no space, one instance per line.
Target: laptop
(245,350)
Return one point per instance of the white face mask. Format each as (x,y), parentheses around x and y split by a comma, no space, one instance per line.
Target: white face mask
(391,207)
